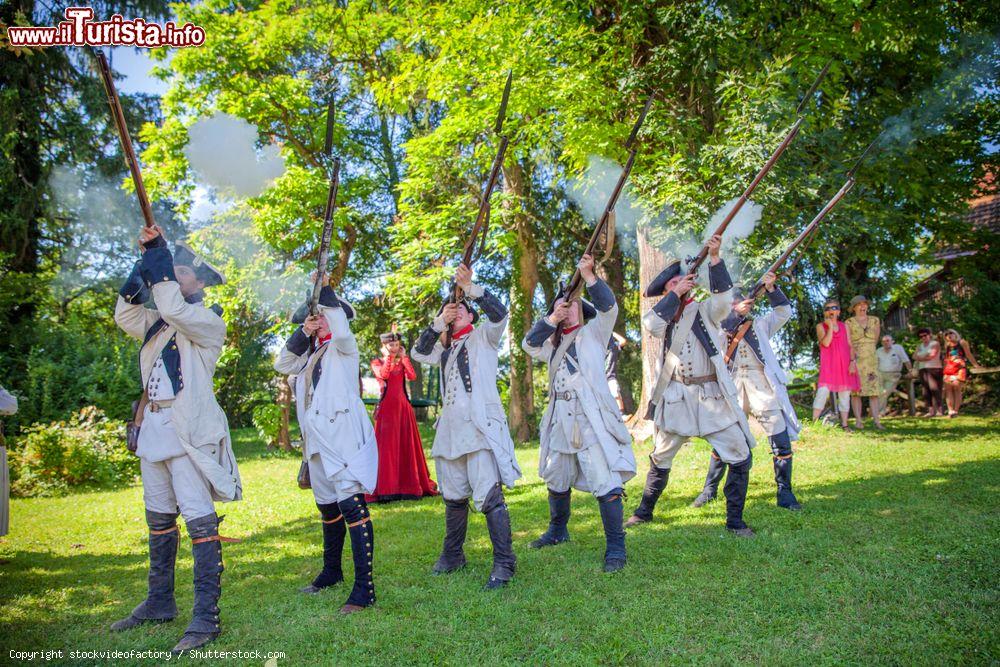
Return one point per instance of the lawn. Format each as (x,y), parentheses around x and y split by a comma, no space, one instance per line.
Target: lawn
(893,560)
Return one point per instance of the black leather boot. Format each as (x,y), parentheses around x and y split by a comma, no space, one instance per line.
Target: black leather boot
(159,605)
(656,481)
(206,547)
(716,471)
(558,519)
(735,491)
(498,524)
(334,532)
(456,522)
(359,524)
(612,511)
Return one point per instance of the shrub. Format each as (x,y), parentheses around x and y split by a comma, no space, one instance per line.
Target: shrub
(86,451)
(267,421)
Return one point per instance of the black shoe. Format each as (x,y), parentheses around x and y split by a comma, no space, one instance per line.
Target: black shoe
(493,583)
(612,508)
(745,531)
(193,640)
(656,481)
(134,622)
(716,471)
(558,519)
(456,522)
(498,524)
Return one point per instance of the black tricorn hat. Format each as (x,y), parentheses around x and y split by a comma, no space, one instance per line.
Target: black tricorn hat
(206,273)
(589,311)
(389,337)
(328,298)
(659,283)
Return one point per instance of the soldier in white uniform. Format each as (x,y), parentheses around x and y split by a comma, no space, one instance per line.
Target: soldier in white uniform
(694,393)
(338,440)
(185,453)
(584,442)
(760,384)
(473,452)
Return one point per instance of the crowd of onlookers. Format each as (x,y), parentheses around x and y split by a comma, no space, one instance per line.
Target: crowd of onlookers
(856,361)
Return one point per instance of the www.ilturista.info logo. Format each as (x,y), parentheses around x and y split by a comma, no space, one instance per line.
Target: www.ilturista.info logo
(79,30)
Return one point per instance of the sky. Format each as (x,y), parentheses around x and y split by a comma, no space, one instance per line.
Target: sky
(136,67)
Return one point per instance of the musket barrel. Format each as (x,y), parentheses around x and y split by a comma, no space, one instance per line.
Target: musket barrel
(126,140)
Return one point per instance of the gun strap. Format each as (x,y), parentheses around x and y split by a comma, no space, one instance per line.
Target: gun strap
(734,342)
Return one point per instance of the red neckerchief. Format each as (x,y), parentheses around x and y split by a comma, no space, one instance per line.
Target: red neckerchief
(688,302)
(459,335)
(569,330)
(325,339)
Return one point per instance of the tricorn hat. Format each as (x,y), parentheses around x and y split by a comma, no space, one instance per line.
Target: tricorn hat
(328,298)
(465,301)
(206,273)
(589,311)
(659,283)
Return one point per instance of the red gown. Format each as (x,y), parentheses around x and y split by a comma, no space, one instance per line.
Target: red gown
(402,468)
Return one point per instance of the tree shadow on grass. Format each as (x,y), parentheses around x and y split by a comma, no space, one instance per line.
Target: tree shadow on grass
(936,520)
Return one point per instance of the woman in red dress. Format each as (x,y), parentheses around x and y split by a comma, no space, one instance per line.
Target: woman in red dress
(402,468)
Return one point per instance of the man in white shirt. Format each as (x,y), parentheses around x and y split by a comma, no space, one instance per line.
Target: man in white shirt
(891,360)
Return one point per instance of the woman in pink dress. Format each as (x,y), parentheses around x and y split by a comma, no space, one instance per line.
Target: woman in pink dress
(838,372)
(402,468)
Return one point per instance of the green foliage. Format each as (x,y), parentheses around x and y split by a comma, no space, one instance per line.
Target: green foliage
(267,421)
(83,360)
(88,450)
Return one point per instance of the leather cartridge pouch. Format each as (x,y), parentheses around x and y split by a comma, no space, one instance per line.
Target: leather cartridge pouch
(133,425)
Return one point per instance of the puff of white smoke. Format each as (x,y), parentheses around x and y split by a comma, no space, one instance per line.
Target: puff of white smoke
(591,191)
(222,151)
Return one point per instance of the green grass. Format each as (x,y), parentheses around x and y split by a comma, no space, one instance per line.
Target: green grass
(893,560)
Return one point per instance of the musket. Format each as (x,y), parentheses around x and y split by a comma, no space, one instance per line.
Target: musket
(694,263)
(331,207)
(807,234)
(119,117)
(604,223)
(477,236)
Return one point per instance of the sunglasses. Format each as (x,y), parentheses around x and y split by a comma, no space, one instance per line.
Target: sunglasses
(832,308)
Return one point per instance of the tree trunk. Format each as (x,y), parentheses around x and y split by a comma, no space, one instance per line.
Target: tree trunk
(523,426)
(613,272)
(651,262)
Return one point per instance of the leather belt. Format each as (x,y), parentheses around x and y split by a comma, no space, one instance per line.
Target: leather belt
(156,406)
(695,379)
(564,395)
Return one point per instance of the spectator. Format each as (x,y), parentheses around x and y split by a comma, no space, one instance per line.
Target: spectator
(864,331)
(402,467)
(837,371)
(928,358)
(957,357)
(891,360)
